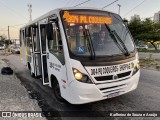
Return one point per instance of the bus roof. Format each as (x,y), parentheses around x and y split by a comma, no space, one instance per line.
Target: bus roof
(59,9)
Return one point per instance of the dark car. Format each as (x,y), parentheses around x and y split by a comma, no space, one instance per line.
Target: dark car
(16,50)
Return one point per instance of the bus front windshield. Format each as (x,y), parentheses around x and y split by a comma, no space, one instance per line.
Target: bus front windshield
(100,32)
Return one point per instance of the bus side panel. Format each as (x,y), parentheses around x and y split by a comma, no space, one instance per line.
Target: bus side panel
(56,68)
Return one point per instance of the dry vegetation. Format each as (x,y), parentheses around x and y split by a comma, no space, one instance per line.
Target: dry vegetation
(150,63)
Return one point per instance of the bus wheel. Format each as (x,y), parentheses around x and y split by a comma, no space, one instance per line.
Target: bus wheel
(32,75)
(29,66)
(57,93)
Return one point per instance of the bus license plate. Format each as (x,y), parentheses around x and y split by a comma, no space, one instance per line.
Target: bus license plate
(113,95)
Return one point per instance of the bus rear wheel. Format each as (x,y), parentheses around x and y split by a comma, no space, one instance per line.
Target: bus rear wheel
(57,93)
(32,75)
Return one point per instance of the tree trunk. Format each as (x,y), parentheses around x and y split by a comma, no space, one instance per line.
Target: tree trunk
(154,45)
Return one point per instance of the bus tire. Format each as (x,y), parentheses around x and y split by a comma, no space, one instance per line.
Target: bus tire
(29,66)
(32,75)
(56,90)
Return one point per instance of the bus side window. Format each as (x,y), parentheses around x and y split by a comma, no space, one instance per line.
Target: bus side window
(43,37)
(28,39)
(55,43)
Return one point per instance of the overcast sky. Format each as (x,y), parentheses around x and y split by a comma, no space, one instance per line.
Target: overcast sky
(15,12)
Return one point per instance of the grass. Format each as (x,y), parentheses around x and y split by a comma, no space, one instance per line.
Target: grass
(150,63)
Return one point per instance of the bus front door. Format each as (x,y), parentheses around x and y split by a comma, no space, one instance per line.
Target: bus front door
(42,36)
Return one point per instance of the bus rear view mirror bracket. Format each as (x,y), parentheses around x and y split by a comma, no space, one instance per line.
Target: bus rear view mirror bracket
(125,21)
(53,19)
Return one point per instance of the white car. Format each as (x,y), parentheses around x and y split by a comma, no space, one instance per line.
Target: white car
(142,47)
(2,47)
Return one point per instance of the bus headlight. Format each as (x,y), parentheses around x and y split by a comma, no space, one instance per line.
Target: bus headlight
(81,77)
(78,76)
(136,68)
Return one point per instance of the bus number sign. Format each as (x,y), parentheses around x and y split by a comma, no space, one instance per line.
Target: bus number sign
(74,18)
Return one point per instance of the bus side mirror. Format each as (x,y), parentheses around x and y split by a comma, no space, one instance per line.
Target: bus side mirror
(49,31)
(125,22)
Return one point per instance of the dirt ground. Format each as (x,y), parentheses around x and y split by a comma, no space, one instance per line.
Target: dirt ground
(150,63)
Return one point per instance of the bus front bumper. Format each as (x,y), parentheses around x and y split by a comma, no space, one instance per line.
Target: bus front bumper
(81,93)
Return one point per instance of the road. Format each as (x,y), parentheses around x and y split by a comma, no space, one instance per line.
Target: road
(147,55)
(145,98)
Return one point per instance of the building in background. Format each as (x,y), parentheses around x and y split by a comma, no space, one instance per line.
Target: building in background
(156,17)
(135,17)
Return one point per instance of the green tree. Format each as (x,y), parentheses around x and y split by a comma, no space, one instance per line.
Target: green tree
(3,41)
(146,31)
(135,28)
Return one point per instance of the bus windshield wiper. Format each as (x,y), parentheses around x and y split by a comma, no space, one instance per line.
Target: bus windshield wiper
(123,44)
(90,44)
(116,37)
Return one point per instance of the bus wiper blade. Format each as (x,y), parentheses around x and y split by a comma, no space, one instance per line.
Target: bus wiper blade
(122,43)
(116,37)
(90,45)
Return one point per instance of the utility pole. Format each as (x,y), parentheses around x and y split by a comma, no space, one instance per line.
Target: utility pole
(30,11)
(8,34)
(5,41)
(119,8)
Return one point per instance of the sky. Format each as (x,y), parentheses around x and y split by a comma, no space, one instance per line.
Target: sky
(14,13)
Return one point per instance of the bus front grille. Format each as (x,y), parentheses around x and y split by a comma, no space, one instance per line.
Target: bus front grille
(112,89)
(110,77)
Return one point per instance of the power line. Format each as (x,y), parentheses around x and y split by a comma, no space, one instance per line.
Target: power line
(76,2)
(12,26)
(12,10)
(134,7)
(81,3)
(110,4)
(17,25)
(73,2)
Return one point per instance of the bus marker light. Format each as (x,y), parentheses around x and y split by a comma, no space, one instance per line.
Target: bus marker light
(75,71)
